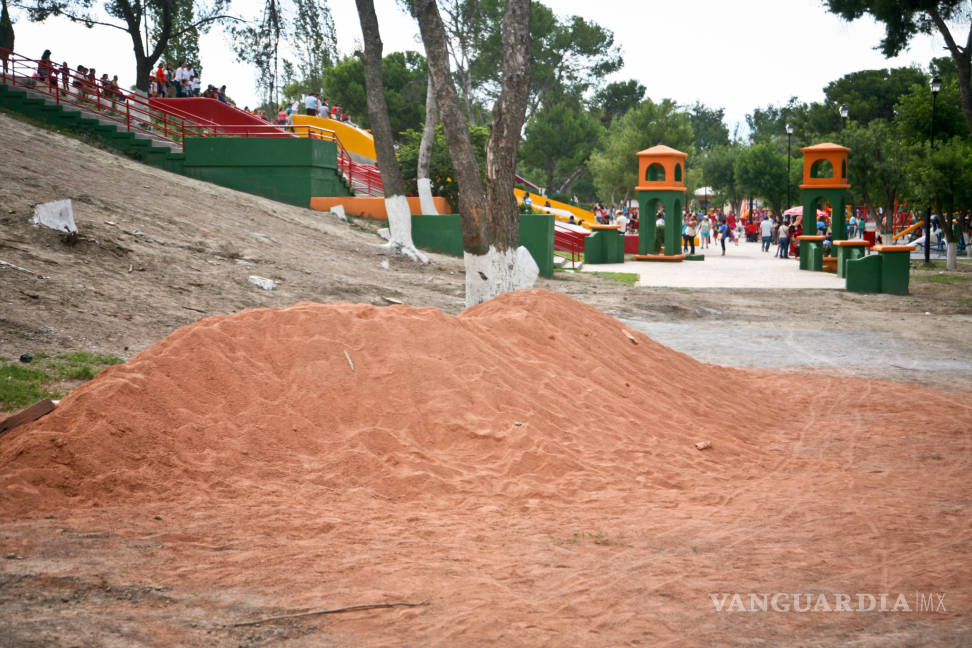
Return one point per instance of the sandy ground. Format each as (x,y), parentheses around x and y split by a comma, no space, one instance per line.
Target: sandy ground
(135,521)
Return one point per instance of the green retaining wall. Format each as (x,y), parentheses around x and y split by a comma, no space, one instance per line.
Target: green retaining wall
(288,169)
(443,233)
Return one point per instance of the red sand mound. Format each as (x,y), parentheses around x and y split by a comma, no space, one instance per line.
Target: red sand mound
(529,466)
(268,399)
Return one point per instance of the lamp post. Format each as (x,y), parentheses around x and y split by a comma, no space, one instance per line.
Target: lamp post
(789,132)
(936,86)
(844,111)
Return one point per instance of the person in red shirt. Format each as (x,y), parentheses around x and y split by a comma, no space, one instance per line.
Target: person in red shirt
(160,76)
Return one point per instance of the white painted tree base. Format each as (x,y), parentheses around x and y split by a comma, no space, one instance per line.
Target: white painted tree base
(425,196)
(951,254)
(494,273)
(400,229)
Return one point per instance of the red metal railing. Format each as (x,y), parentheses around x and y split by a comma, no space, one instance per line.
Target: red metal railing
(569,241)
(135,113)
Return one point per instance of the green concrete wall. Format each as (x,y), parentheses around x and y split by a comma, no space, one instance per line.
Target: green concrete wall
(443,233)
(604,246)
(648,239)
(838,227)
(288,169)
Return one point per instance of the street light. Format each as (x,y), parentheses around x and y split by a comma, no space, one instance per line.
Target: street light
(936,86)
(789,132)
(844,111)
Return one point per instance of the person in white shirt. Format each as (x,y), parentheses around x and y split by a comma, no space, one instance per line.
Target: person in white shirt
(622,222)
(766,232)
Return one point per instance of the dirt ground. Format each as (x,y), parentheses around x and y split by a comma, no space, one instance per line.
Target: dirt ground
(159,251)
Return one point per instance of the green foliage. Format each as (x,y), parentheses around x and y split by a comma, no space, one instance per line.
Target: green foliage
(614,164)
(760,170)
(314,41)
(559,139)
(872,94)
(567,54)
(902,20)
(617,98)
(623,278)
(914,112)
(877,167)
(708,127)
(6,28)
(943,178)
(441,171)
(404,75)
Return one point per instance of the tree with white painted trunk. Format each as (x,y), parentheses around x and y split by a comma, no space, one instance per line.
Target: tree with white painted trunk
(396,205)
(422,179)
(495,263)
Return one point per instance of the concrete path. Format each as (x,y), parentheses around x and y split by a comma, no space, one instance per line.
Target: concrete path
(744,266)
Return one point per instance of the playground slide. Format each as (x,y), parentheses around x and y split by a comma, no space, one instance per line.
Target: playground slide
(907,231)
(210,111)
(355,140)
(560,210)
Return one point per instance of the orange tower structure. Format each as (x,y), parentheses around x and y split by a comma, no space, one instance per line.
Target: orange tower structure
(824,178)
(661,187)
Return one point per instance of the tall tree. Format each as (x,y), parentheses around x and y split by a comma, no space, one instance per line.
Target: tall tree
(404,81)
(617,98)
(314,42)
(903,20)
(6,35)
(708,127)
(872,94)
(614,164)
(423,164)
(396,205)
(761,171)
(559,139)
(490,221)
(259,45)
(133,17)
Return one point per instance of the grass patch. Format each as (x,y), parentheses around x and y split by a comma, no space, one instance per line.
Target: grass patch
(567,255)
(23,384)
(952,279)
(625,278)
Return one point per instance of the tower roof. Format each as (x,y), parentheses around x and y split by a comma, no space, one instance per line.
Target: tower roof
(825,148)
(662,150)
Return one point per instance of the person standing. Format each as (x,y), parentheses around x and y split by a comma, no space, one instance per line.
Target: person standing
(723,234)
(784,233)
(766,232)
(689,236)
(660,231)
(311,104)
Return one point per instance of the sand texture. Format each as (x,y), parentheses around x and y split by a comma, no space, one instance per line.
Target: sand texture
(529,467)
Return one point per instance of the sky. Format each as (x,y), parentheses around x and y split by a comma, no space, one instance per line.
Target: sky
(734,55)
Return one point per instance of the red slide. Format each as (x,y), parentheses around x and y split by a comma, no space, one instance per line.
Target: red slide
(219,117)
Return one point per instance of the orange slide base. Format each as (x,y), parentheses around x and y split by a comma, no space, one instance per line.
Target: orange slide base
(369,207)
(659,257)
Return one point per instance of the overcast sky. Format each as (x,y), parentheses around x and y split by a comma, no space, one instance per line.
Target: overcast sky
(735,55)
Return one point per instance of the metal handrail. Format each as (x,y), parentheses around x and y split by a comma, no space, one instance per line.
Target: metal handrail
(137,114)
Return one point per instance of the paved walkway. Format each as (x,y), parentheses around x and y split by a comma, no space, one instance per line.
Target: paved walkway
(744,266)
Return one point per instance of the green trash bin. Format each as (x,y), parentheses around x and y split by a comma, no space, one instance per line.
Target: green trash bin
(848,251)
(864,274)
(811,252)
(895,268)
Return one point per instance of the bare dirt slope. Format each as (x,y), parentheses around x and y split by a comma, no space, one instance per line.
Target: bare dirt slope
(158,251)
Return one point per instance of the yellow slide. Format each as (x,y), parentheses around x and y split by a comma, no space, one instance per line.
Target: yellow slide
(907,231)
(557,208)
(355,140)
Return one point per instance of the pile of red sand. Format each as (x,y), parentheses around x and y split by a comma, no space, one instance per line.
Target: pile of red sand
(528,466)
(529,393)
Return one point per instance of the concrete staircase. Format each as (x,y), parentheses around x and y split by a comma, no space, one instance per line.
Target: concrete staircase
(141,146)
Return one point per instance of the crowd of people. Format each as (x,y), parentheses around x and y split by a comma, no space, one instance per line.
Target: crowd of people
(83,80)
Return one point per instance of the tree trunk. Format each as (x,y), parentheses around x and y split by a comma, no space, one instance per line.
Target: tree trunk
(490,221)
(396,205)
(425,151)
(568,184)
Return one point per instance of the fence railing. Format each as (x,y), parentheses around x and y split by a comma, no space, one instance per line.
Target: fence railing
(135,113)
(569,241)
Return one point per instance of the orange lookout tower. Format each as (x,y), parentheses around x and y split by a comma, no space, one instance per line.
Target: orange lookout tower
(824,179)
(661,188)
